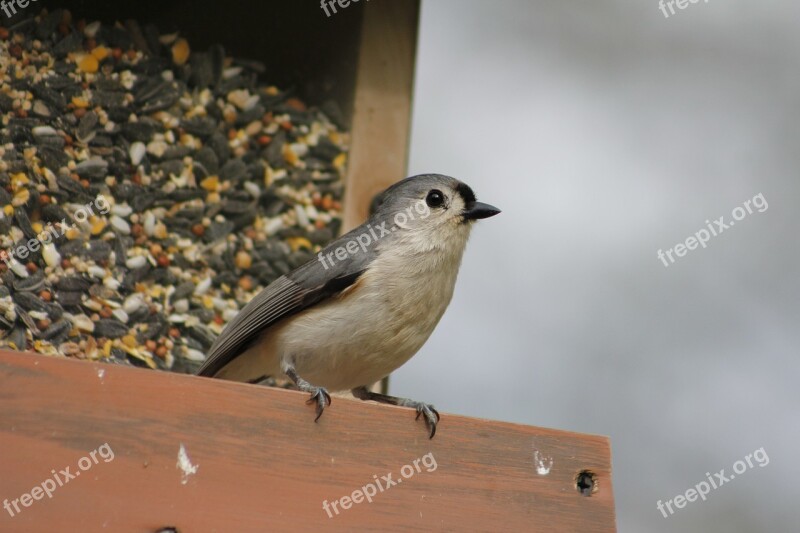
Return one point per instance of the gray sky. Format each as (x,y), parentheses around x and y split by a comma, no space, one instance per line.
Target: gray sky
(606,132)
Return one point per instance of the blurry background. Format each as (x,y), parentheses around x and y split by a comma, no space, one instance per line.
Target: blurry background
(605,132)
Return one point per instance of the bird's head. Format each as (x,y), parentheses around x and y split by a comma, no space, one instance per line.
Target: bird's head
(431,210)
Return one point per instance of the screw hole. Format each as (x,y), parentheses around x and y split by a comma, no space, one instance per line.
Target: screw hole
(586,482)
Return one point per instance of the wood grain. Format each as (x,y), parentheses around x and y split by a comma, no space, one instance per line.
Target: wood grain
(264,465)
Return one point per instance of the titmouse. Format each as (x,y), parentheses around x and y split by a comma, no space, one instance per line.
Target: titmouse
(364,305)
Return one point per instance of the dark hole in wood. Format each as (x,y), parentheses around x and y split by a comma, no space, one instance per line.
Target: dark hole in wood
(586,482)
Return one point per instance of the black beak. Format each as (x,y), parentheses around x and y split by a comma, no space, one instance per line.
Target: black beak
(480,210)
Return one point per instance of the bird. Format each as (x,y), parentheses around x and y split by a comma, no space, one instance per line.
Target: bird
(364,306)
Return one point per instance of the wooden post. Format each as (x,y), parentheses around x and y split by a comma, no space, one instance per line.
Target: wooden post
(382,109)
(254,460)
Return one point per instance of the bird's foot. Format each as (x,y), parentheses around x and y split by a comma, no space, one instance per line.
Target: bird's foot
(431,414)
(322,399)
(319,395)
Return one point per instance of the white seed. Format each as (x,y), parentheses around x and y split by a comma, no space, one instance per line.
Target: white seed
(253,189)
(219,304)
(137,261)
(302,218)
(311,212)
(133,303)
(43,131)
(231,72)
(137,151)
(242,99)
(40,108)
(229,314)
(300,149)
(83,323)
(93,305)
(120,315)
(149,223)
(202,287)
(194,355)
(91,29)
(18,268)
(51,255)
(122,210)
(119,224)
(96,271)
(157,148)
(181,306)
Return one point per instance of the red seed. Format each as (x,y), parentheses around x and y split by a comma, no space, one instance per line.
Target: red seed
(246,283)
(295,103)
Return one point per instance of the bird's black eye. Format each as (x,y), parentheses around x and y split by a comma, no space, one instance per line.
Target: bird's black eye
(435,198)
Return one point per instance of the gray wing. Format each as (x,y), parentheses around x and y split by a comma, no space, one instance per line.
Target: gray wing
(300,289)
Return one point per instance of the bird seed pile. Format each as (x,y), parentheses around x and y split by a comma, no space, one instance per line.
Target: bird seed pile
(148,191)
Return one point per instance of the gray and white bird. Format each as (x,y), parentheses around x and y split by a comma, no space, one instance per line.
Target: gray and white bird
(365,305)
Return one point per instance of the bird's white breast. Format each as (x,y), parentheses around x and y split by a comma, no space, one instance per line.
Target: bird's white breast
(371,329)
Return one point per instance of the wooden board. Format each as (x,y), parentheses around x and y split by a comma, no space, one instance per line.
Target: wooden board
(262,464)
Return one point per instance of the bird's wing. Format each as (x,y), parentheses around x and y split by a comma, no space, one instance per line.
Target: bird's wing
(300,289)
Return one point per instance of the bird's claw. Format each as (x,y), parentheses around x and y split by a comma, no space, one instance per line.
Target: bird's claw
(321,397)
(431,416)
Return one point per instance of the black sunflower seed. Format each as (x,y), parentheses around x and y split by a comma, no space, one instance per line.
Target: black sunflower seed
(108,327)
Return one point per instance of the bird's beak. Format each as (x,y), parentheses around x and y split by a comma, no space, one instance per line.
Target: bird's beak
(479,210)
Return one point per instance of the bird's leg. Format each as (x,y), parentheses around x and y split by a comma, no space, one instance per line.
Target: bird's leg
(318,394)
(431,415)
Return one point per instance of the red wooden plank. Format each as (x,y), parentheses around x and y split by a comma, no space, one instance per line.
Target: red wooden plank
(262,464)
